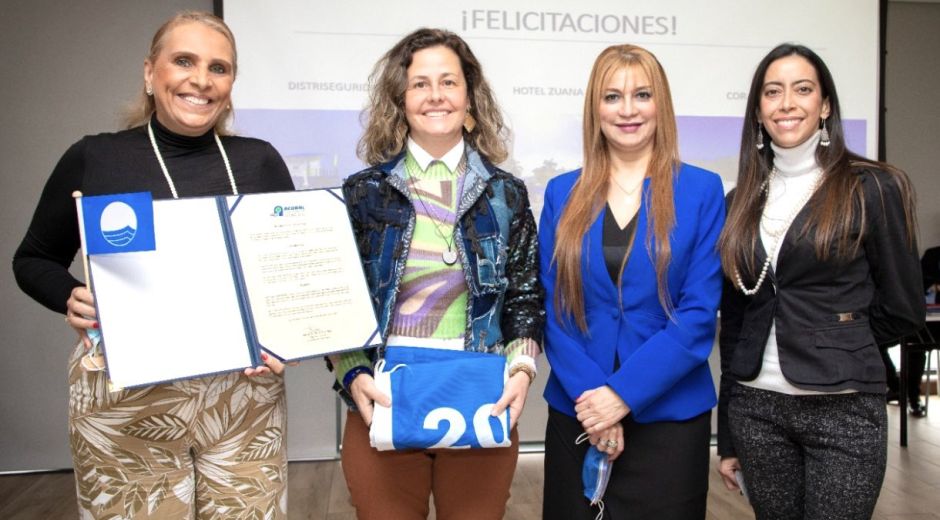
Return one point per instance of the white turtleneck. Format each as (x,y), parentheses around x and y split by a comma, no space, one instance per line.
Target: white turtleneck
(797,174)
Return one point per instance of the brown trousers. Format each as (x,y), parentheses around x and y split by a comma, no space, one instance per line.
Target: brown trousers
(396,485)
(209,447)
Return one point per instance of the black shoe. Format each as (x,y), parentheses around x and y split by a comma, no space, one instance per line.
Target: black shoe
(891,396)
(917,409)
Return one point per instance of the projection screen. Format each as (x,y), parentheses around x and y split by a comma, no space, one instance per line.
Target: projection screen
(304,68)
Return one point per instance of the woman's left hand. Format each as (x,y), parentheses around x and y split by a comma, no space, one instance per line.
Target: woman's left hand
(271,365)
(514,394)
(599,409)
(727,469)
(609,441)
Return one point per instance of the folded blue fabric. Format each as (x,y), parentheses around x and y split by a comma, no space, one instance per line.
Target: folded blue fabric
(440,399)
(595,474)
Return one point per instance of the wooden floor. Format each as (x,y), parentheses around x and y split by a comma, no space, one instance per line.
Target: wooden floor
(317,490)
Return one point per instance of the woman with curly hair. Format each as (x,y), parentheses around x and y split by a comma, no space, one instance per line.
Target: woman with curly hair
(448,244)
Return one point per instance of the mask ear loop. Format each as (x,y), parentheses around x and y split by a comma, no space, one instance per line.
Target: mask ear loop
(600,503)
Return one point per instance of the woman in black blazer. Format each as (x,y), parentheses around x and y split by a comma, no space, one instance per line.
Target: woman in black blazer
(822,266)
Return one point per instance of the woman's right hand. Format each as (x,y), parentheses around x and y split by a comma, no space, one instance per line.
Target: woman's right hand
(80,313)
(365,393)
(727,468)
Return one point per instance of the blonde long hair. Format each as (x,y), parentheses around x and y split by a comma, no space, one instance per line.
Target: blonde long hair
(590,191)
(141,109)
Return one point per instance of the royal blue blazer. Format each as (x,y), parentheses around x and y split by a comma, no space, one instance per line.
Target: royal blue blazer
(663,373)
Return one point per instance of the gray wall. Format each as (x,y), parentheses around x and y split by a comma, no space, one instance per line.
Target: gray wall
(67,66)
(912,74)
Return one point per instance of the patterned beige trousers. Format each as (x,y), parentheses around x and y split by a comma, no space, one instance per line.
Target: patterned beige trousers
(206,448)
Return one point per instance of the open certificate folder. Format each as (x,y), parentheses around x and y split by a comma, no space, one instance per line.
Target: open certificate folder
(228,276)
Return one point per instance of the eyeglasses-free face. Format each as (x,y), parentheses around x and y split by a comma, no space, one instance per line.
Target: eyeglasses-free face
(627,112)
(191,78)
(791,102)
(436,100)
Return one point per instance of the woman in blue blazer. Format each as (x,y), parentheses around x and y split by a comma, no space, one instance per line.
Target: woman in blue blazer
(633,281)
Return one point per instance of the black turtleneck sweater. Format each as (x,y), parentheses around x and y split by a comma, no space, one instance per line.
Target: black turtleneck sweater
(124,162)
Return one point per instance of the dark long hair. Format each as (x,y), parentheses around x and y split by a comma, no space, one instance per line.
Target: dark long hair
(837,203)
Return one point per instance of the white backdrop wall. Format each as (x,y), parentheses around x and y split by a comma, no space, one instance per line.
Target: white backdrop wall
(305,67)
(306,64)
(68,66)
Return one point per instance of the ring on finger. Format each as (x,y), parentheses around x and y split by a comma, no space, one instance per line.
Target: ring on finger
(611,443)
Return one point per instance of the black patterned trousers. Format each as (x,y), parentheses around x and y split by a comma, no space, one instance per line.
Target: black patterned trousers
(810,457)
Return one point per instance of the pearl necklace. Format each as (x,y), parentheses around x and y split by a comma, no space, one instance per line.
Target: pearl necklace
(166,173)
(778,234)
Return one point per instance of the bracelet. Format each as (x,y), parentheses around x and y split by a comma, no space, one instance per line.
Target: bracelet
(523,367)
(353,374)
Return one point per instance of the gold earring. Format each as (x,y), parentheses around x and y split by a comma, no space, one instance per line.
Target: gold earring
(469,123)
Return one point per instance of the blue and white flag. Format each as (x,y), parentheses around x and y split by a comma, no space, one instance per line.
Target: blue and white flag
(440,399)
(120,223)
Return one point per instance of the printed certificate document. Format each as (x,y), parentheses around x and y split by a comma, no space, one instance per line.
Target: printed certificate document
(230,276)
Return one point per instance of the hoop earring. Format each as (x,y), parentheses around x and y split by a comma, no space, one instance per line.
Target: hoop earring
(760,138)
(824,136)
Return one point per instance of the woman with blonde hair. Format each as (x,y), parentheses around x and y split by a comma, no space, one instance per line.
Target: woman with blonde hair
(205,447)
(448,244)
(632,282)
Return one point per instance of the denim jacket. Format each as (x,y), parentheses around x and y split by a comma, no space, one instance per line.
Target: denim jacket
(496,241)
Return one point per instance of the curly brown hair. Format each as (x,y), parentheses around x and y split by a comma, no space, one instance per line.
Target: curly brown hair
(386,129)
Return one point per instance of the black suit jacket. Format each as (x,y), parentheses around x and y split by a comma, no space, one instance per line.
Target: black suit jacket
(831,314)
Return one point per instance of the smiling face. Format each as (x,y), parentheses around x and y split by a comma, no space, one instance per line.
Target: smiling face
(627,112)
(436,101)
(791,101)
(191,78)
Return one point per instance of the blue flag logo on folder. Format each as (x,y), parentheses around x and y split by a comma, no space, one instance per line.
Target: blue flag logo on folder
(121,223)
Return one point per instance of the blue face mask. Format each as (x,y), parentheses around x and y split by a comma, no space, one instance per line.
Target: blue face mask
(595,474)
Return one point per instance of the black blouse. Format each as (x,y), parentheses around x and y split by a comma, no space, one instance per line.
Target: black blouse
(616,242)
(124,162)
